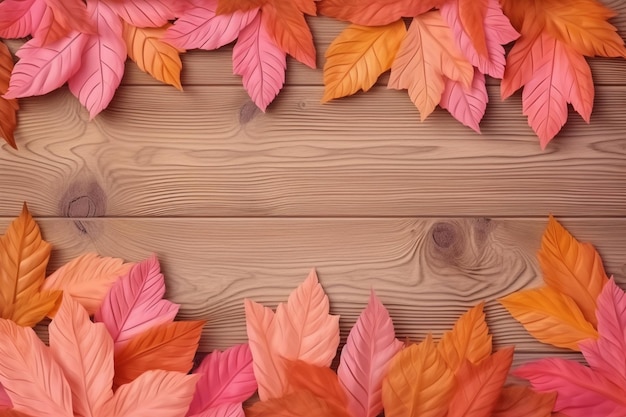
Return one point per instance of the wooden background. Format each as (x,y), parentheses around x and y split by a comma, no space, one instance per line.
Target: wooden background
(239,203)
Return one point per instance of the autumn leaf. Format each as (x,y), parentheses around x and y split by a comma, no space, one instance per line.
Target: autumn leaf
(301,329)
(365,359)
(418,383)
(473,14)
(429,50)
(356,58)
(153,56)
(226,7)
(572,268)
(479,385)
(8,107)
(87,279)
(321,381)
(375,12)
(168,346)
(550,316)
(522,401)
(23,259)
(468,340)
(296,404)
(147,13)
(468,106)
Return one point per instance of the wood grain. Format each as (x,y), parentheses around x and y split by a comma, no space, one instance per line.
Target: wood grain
(208,152)
(426,271)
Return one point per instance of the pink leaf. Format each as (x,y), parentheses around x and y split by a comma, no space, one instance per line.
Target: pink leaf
(135,303)
(224,410)
(200,28)
(5,400)
(365,358)
(606,354)
(101,72)
(225,378)
(42,69)
(468,107)
(147,13)
(581,392)
(498,32)
(20,18)
(563,77)
(260,62)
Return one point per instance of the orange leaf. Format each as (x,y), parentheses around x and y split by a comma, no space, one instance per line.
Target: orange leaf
(232,6)
(427,55)
(356,58)
(12,413)
(472,14)
(418,383)
(375,12)
(8,108)
(159,59)
(84,350)
(479,386)
(518,11)
(87,279)
(550,316)
(321,381)
(285,22)
(573,268)
(23,259)
(33,380)
(296,404)
(522,401)
(168,347)
(469,339)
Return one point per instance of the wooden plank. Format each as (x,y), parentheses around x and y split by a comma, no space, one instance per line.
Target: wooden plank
(209,152)
(426,271)
(215,67)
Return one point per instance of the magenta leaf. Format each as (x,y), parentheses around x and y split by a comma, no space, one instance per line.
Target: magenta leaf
(200,28)
(135,303)
(260,62)
(365,358)
(468,107)
(226,378)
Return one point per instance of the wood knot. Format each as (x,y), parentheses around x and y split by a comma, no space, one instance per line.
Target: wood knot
(247,112)
(444,235)
(83,200)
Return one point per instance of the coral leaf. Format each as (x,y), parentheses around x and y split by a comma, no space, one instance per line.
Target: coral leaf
(147,13)
(234,6)
(201,28)
(467,106)
(225,378)
(87,279)
(155,394)
(356,58)
(224,410)
(606,355)
(20,18)
(145,46)
(375,12)
(287,26)
(135,303)
(71,15)
(550,316)
(297,404)
(33,380)
(426,56)
(168,346)
(468,340)
(572,268)
(581,392)
(260,62)
(365,359)
(479,386)
(321,381)
(522,401)
(418,383)
(472,14)
(8,107)
(84,350)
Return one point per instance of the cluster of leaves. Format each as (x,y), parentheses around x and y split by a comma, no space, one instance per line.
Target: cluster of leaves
(458,376)
(579,309)
(443,57)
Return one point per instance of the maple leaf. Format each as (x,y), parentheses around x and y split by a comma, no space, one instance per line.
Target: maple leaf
(375,12)
(301,329)
(24,256)
(8,107)
(74,375)
(428,49)
(356,58)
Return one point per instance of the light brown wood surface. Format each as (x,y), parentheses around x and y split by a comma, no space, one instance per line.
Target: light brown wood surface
(239,203)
